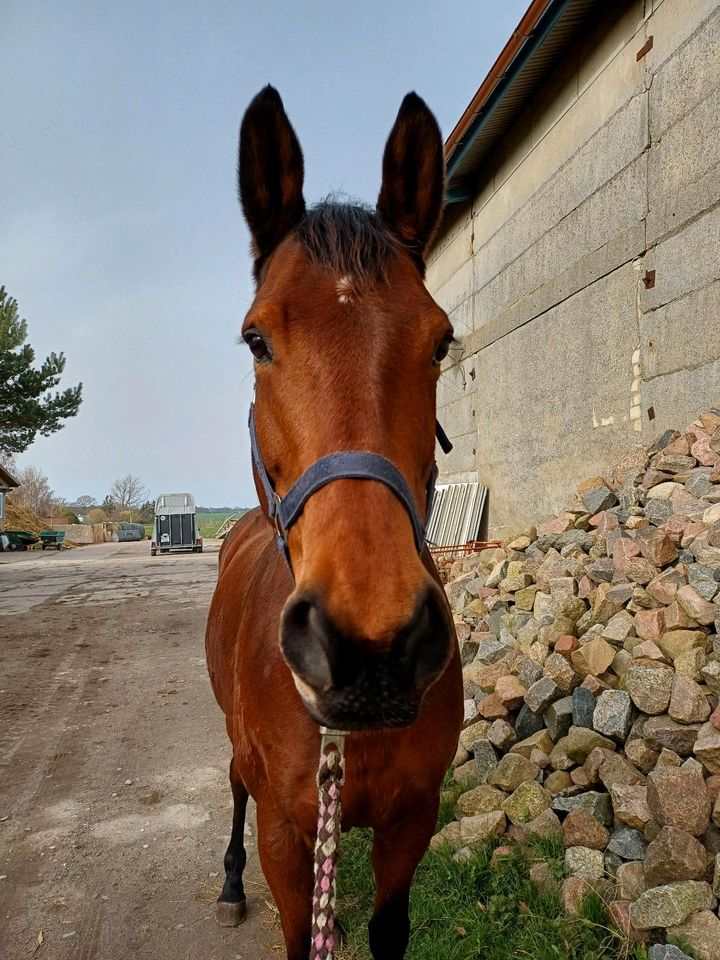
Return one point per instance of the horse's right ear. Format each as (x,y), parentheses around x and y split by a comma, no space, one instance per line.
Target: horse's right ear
(270,173)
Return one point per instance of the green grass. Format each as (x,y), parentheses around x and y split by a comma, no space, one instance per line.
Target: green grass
(478,911)
(210,522)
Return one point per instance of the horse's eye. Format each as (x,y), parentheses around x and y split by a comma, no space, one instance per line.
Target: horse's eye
(258,345)
(443,348)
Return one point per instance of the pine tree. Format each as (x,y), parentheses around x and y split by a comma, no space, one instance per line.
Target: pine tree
(29,404)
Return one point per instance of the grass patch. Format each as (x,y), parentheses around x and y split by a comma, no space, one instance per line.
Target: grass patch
(475,911)
(209,522)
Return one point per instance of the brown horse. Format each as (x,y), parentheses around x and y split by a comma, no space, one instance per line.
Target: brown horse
(352,630)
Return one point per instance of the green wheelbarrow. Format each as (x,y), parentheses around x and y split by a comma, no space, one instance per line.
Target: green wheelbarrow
(52,538)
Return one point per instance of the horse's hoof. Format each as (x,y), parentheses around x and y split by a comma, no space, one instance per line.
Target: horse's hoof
(230,914)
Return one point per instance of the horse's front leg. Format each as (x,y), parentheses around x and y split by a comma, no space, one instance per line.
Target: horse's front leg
(396,852)
(230,907)
(286,856)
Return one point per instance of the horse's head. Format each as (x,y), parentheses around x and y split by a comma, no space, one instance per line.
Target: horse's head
(347,344)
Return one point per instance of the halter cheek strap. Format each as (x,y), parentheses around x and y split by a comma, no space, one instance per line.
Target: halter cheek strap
(344,465)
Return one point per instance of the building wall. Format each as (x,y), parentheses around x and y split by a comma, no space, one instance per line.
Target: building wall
(566,360)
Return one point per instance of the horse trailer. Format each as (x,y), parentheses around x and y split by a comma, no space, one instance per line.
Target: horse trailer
(175,527)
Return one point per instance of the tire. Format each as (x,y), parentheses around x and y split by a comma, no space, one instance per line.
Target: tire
(153,553)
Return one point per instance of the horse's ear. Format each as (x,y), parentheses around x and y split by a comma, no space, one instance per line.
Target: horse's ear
(413,184)
(270,173)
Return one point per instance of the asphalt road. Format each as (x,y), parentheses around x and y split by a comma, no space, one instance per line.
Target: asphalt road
(114,801)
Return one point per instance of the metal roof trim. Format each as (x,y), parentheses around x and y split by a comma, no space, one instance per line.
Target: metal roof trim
(556,23)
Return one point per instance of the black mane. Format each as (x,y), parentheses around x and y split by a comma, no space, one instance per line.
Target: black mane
(348,238)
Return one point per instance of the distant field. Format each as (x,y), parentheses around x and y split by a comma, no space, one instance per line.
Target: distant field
(210,522)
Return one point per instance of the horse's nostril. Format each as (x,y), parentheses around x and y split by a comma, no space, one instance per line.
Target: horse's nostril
(305,643)
(423,645)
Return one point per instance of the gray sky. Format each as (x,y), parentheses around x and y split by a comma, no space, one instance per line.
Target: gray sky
(120,234)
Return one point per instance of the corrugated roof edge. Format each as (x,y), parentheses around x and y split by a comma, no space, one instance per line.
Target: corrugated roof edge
(7,480)
(542,19)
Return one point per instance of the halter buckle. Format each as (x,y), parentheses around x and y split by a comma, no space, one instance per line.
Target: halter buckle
(277,503)
(333,738)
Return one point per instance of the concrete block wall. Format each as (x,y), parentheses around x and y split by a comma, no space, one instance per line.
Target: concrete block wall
(566,359)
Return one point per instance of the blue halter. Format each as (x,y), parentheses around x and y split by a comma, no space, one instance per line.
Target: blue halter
(344,465)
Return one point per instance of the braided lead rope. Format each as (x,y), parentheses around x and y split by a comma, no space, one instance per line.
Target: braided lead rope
(330,779)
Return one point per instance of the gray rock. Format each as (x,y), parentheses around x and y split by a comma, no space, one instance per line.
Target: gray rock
(628,844)
(528,723)
(698,485)
(541,694)
(599,498)
(620,594)
(583,706)
(485,759)
(490,650)
(613,714)
(703,579)
(529,673)
(559,717)
(597,804)
(658,511)
(666,951)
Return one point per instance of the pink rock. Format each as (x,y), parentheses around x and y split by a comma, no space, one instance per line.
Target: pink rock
(664,587)
(692,531)
(703,452)
(490,708)
(559,524)
(566,644)
(647,650)
(675,528)
(676,617)
(580,829)
(656,547)
(620,916)
(677,797)
(622,551)
(650,624)
(688,703)
(696,606)
(510,692)
(585,588)
(640,569)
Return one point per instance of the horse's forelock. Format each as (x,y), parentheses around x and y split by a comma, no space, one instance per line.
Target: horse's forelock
(349,239)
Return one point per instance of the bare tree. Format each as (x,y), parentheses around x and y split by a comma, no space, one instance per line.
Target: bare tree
(34,491)
(84,502)
(128,493)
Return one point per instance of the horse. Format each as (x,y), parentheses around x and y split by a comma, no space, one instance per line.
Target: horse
(346,625)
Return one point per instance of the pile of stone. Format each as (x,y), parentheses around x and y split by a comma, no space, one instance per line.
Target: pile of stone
(591,664)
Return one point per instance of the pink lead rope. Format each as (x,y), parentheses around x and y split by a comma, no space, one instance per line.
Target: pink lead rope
(330,779)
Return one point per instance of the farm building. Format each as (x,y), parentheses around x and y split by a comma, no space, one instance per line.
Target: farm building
(579,254)
(7,484)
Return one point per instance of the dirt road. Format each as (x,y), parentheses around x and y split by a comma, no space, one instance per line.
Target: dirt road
(114,802)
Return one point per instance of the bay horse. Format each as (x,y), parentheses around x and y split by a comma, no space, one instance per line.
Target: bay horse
(347,624)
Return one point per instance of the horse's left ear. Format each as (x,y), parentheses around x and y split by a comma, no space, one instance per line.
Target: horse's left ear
(413,184)
(270,173)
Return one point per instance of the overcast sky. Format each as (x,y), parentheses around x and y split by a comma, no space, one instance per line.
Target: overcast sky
(120,234)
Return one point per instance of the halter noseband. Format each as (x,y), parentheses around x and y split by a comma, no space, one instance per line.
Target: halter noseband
(344,465)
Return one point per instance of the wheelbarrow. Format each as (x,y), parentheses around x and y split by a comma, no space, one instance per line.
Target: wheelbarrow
(52,538)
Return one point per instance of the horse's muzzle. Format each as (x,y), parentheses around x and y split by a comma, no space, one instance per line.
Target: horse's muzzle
(352,684)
